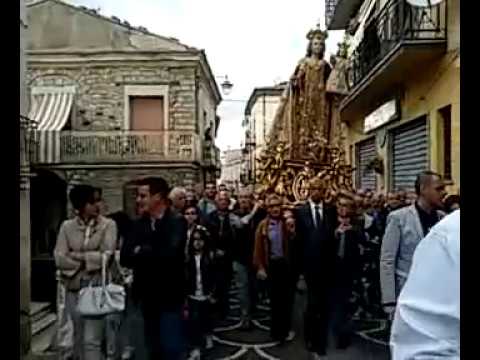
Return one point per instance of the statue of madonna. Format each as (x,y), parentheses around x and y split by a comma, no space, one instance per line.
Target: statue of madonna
(304,110)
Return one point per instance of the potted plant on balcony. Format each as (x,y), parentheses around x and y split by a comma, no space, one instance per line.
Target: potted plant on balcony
(376,164)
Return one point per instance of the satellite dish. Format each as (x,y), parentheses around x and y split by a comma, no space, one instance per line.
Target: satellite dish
(424,3)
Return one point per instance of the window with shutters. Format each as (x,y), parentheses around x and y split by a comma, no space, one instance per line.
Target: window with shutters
(147,113)
(146,107)
(365,153)
(409,153)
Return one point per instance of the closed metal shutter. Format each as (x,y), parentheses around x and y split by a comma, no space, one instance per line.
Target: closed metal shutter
(366,152)
(409,154)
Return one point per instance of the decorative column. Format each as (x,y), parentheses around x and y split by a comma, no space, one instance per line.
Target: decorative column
(25,261)
(25,257)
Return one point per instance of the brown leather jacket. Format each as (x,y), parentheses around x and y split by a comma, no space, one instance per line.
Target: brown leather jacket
(261,254)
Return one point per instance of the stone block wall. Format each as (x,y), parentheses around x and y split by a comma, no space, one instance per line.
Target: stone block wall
(113,181)
(99,101)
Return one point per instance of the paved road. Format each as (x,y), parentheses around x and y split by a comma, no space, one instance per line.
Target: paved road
(232,343)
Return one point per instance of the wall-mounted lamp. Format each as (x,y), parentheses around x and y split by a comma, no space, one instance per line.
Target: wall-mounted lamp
(226,85)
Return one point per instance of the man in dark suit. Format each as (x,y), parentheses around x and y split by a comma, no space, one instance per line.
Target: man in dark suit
(223,226)
(315,252)
(155,250)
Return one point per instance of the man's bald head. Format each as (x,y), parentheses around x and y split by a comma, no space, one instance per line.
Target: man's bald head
(430,188)
(424,179)
(245,199)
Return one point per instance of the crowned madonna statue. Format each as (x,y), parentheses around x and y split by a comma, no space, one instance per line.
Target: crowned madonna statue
(307,136)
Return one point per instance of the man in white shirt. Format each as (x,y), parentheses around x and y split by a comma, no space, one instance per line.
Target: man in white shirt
(427,318)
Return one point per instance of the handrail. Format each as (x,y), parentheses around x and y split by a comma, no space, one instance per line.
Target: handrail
(121,146)
(395,23)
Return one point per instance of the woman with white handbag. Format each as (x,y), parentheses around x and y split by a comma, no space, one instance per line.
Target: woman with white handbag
(83,253)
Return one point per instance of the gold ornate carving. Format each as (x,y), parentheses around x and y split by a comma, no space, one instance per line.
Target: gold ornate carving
(307,139)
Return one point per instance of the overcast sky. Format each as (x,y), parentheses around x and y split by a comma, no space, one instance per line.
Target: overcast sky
(254,42)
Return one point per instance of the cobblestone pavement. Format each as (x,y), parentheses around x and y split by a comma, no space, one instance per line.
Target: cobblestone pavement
(232,343)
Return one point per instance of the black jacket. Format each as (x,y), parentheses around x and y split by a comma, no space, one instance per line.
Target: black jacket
(242,249)
(315,247)
(158,267)
(223,237)
(348,268)
(208,275)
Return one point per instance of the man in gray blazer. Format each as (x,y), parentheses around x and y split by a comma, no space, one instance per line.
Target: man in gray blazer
(405,229)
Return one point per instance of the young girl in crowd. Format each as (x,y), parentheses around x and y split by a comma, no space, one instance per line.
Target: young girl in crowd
(346,268)
(192,216)
(200,287)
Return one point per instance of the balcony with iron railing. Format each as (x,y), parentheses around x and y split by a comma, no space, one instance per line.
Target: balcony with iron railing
(398,22)
(97,147)
(339,12)
(330,6)
(399,39)
(211,154)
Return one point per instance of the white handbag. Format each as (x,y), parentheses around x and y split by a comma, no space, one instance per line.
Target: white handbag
(101,300)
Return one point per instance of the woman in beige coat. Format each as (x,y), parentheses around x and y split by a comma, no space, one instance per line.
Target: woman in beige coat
(81,244)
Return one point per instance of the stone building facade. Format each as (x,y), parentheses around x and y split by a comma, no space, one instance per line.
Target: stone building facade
(113,104)
(260,112)
(232,160)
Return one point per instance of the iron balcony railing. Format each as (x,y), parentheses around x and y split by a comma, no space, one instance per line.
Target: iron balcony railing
(330,6)
(396,23)
(117,146)
(28,144)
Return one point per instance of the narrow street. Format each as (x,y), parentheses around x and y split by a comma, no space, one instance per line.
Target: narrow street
(163,143)
(232,343)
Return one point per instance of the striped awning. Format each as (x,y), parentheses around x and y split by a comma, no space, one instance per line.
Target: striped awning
(50,106)
(50,109)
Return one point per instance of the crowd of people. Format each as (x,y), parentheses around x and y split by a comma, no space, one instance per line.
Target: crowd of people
(179,258)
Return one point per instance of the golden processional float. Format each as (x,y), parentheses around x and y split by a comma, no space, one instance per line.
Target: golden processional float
(307,139)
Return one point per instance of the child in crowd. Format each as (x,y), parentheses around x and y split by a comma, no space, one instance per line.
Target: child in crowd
(346,269)
(200,287)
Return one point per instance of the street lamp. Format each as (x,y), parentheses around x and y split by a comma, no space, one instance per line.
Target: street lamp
(226,85)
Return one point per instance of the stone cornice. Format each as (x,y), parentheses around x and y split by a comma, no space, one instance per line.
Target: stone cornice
(81,55)
(127,165)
